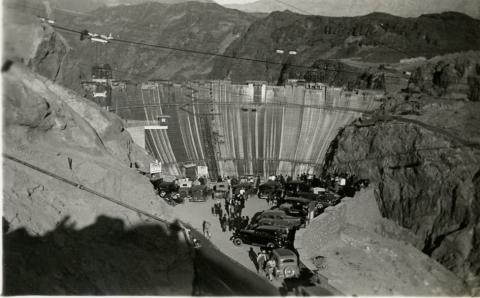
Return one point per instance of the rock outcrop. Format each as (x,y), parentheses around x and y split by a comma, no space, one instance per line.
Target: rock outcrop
(423,154)
(60,239)
(452,76)
(350,242)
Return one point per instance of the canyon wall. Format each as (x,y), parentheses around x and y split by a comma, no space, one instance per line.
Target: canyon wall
(241,129)
(423,155)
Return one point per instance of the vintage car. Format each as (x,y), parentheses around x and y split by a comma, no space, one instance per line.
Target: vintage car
(198,193)
(295,206)
(292,188)
(247,187)
(264,236)
(330,198)
(277,217)
(168,191)
(270,190)
(221,190)
(286,263)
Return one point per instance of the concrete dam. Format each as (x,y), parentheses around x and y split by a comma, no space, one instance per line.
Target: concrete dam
(236,129)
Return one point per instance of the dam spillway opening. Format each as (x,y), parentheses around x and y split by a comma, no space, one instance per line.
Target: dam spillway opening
(237,129)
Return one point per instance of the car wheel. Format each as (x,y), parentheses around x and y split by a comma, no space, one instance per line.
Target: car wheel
(237,241)
(289,272)
(270,245)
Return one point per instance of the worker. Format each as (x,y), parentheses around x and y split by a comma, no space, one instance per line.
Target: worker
(271,264)
(261,259)
(206,228)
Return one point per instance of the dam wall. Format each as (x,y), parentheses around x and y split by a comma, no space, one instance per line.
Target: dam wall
(240,129)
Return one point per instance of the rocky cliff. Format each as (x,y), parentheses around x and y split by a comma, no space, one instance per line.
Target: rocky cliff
(404,8)
(206,27)
(423,155)
(350,241)
(376,37)
(60,239)
(452,76)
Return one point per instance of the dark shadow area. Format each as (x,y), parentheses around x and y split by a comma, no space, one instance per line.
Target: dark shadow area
(218,275)
(291,285)
(104,258)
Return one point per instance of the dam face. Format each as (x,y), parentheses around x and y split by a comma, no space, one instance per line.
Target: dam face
(236,129)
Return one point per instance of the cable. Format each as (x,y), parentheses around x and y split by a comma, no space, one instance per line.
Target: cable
(309,13)
(163,47)
(170,225)
(144,44)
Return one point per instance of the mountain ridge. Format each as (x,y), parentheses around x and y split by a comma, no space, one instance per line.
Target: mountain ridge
(409,8)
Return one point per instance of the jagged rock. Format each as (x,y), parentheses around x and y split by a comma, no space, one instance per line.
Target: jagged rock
(426,169)
(45,125)
(451,76)
(351,240)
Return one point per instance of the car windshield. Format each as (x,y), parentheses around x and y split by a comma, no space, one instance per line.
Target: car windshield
(288,261)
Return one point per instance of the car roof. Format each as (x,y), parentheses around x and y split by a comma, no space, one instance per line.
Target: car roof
(198,187)
(297,199)
(283,252)
(272,228)
(274,211)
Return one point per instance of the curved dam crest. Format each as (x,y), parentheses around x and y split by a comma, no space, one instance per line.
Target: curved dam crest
(239,129)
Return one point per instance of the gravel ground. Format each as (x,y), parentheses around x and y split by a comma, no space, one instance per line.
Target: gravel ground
(195,213)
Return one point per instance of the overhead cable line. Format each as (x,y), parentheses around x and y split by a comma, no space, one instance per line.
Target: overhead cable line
(170,225)
(164,47)
(198,52)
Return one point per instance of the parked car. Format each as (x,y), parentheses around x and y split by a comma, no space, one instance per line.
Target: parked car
(247,187)
(168,191)
(265,236)
(292,188)
(270,190)
(277,217)
(286,262)
(221,190)
(295,206)
(199,193)
(330,199)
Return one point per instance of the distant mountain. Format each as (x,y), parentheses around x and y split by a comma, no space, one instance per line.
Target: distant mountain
(377,38)
(85,6)
(195,26)
(337,8)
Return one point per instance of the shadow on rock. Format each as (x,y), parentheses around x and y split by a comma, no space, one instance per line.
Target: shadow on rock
(104,258)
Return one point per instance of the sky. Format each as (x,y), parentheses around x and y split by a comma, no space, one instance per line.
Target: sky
(233,1)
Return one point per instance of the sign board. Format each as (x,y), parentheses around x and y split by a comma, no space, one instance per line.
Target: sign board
(202,171)
(155,167)
(343,181)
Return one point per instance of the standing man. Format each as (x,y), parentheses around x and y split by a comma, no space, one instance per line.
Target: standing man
(206,229)
(261,259)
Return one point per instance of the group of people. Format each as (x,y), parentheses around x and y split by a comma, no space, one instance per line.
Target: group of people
(232,218)
(266,264)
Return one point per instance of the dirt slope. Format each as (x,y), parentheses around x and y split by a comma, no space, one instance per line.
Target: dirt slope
(58,238)
(365,254)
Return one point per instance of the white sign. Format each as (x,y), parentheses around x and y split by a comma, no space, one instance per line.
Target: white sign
(155,167)
(202,171)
